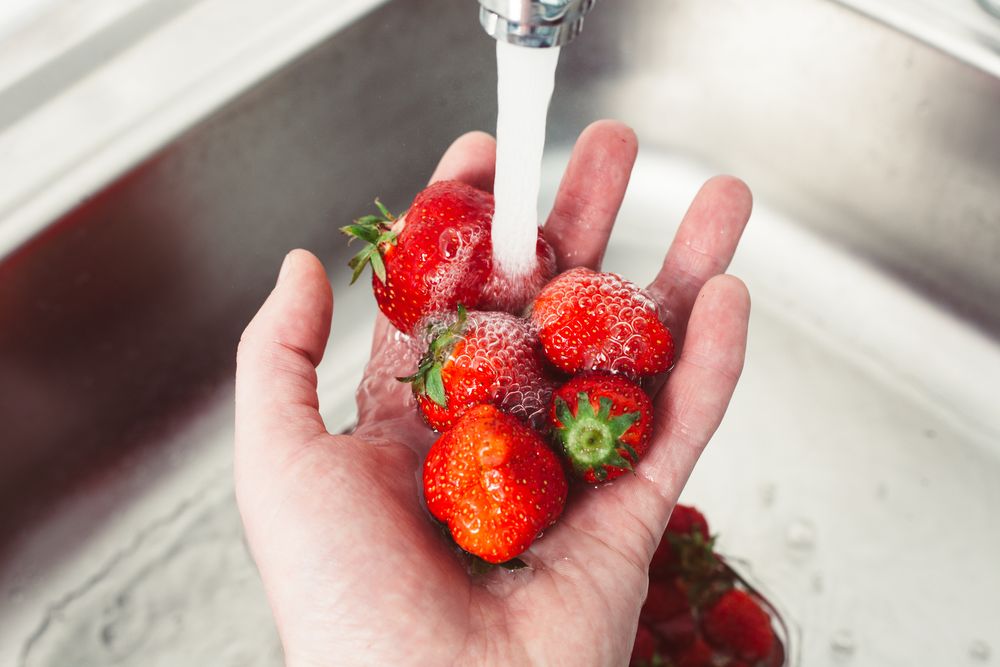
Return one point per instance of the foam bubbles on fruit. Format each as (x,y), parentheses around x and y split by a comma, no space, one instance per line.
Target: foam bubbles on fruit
(459,248)
(521,387)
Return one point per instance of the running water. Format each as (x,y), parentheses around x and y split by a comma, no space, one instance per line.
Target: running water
(525,78)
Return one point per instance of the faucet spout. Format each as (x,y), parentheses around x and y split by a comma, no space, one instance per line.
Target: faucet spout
(534,23)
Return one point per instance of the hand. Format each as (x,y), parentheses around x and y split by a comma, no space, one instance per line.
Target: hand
(354,569)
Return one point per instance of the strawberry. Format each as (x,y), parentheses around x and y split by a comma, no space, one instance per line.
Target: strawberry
(698,654)
(737,624)
(664,600)
(644,647)
(685,521)
(677,632)
(436,256)
(433,258)
(512,293)
(603,423)
(668,612)
(494,482)
(600,321)
(481,358)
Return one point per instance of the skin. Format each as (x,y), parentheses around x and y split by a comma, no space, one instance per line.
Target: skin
(354,570)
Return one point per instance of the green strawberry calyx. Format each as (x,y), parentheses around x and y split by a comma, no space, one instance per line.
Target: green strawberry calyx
(593,440)
(427,380)
(376,232)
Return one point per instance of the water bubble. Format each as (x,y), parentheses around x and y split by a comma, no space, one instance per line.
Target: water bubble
(843,645)
(979,651)
(450,243)
(800,538)
(635,346)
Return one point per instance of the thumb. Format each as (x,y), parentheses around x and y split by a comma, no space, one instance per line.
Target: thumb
(277,408)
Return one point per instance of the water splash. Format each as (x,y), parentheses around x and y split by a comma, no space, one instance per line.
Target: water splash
(800,538)
(843,645)
(979,651)
(525,78)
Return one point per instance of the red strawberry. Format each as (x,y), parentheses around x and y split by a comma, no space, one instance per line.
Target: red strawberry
(600,321)
(644,647)
(677,632)
(698,654)
(494,482)
(482,358)
(684,521)
(436,256)
(603,423)
(665,600)
(668,612)
(513,292)
(736,623)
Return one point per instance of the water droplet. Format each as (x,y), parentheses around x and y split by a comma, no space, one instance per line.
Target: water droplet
(817,583)
(843,645)
(800,538)
(125,626)
(768,492)
(881,491)
(979,650)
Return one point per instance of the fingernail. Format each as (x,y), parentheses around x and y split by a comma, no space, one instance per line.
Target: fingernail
(285,267)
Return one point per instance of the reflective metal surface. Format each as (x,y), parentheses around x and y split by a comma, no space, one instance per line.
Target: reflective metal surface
(534,23)
(864,431)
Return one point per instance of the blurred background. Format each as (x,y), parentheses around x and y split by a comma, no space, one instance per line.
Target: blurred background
(159,157)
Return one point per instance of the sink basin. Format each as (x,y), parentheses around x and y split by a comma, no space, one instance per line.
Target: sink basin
(858,471)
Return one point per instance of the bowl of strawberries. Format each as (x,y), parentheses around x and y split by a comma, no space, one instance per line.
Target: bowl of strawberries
(702,609)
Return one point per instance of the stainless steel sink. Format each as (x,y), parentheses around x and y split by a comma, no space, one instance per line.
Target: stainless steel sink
(858,471)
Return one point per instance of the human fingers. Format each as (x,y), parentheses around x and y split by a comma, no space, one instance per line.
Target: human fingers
(277,408)
(702,248)
(471,158)
(590,194)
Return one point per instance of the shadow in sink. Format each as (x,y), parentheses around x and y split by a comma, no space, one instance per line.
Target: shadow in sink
(95,359)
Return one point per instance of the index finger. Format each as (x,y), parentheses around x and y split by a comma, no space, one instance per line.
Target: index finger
(472,159)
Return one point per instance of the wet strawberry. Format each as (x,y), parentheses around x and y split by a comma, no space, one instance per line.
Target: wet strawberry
(512,293)
(603,423)
(481,357)
(494,482)
(436,256)
(737,624)
(600,321)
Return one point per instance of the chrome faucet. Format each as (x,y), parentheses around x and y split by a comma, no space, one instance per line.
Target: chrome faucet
(534,23)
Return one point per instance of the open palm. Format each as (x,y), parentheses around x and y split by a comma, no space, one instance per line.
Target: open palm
(356,572)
